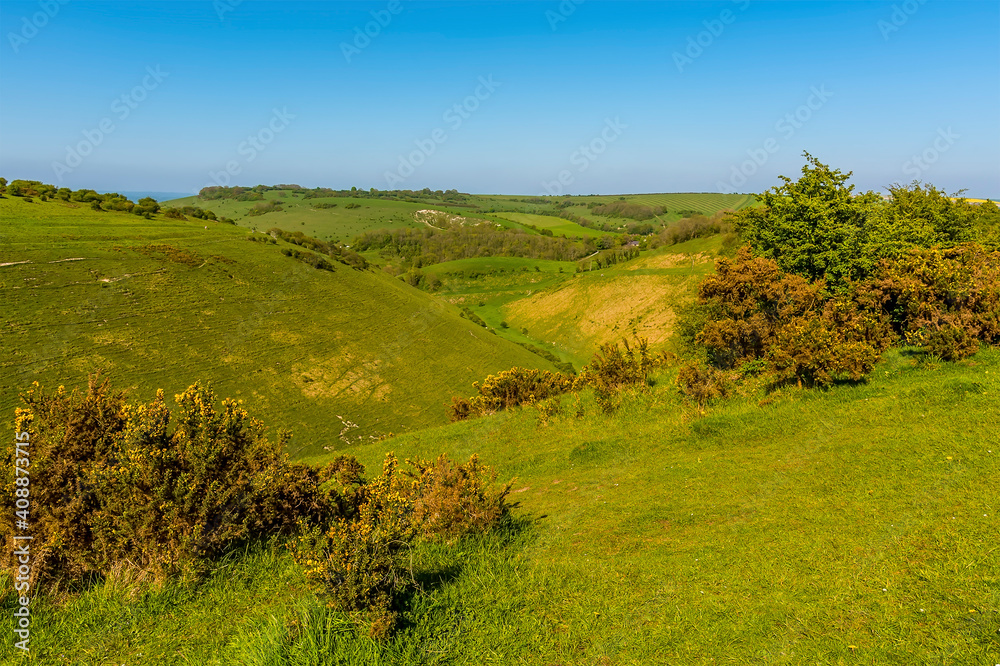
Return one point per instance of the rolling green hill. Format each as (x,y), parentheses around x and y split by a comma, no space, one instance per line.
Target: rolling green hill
(849,526)
(556,225)
(344,218)
(163,302)
(340,218)
(579,313)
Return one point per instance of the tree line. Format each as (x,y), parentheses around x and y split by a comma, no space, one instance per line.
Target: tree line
(146,207)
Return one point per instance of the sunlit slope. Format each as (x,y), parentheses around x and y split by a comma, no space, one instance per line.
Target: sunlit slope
(855,525)
(339,218)
(592,308)
(162,303)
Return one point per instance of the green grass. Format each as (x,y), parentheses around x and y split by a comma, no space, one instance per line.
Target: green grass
(704,202)
(497,264)
(557,225)
(298,214)
(299,345)
(855,525)
(574,315)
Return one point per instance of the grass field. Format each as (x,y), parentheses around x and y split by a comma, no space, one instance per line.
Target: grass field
(557,225)
(298,214)
(162,303)
(706,203)
(850,526)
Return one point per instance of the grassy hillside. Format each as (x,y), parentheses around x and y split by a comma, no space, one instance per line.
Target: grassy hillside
(162,303)
(849,526)
(350,218)
(556,225)
(581,312)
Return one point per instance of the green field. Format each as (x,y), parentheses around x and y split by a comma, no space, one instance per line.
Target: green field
(371,214)
(556,225)
(849,526)
(706,203)
(162,303)
(488,265)
(298,214)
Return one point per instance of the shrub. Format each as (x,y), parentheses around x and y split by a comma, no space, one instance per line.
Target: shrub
(946,300)
(117,484)
(451,500)
(751,310)
(356,561)
(70,435)
(702,382)
(747,301)
(510,388)
(264,208)
(813,352)
(616,366)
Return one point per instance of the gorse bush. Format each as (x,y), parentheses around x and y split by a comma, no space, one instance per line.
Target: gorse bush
(613,368)
(122,486)
(355,561)
(359,561)
(510,388)
(702,382)
(945,300)
(451,500)
(116,484)
(831,279)
(752,310)
(617,366)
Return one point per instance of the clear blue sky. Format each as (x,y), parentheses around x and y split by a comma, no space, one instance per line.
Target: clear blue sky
(885,85)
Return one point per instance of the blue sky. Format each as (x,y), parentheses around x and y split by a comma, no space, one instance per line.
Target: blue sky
(609,97)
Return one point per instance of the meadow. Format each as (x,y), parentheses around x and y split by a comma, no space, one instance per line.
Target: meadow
(850,526)
(556,225)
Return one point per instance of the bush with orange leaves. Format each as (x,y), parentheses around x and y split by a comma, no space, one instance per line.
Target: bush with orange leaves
(451,500)
(753,311)
(944,300)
